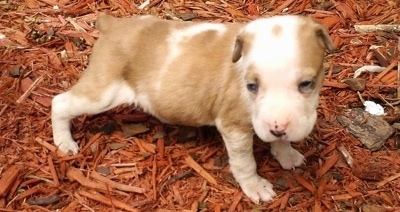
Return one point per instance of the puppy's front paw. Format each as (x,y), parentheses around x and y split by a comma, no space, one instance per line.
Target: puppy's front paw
(258,189)
(288,158)
(68,147)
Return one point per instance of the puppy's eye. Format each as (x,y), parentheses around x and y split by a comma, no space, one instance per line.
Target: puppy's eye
(306,85)
(252,87)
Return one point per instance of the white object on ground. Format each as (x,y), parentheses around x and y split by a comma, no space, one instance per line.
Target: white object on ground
(374,108)
(363,69)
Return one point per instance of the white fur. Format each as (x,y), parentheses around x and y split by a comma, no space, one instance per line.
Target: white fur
(278,103)
(243,165)
(286,155)
(68,105)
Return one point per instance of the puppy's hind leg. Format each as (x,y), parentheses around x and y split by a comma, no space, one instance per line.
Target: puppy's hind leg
(83,99)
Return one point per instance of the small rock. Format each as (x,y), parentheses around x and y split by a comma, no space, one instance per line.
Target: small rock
(16,71)
(372,131)
(188,16)
(281,184)
(45,200)
(104,170)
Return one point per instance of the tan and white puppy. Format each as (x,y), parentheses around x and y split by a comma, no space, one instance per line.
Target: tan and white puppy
(262,77)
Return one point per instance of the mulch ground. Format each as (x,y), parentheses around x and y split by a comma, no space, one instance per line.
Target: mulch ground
(44,47)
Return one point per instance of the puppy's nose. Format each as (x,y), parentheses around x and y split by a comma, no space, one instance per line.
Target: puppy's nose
(278,129)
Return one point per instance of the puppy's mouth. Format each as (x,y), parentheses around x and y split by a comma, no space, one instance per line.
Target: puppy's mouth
(277,133)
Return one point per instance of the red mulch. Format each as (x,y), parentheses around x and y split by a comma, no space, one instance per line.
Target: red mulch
(44,47)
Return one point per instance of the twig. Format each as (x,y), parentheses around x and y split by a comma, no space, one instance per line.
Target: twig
(30,90)
(189,160)
(377,27)
(153,177)
(53,171)
(328,164)
(384,72)
(106,200)
(9,178)
(116,185)
(236,199)
(346,155)
(387,180)
(50,147)
(175,178)
(398,70)
(303,182)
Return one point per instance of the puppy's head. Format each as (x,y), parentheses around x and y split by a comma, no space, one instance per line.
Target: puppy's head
(282,60)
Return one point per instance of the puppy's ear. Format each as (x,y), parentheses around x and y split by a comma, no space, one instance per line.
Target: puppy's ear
(324,39)
(237,50)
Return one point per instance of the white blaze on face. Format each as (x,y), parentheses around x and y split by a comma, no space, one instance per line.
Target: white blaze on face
(280,110)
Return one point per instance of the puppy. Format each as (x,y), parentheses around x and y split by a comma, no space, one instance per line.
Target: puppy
(262,77)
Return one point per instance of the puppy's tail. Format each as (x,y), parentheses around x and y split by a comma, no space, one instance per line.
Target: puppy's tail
(104,22)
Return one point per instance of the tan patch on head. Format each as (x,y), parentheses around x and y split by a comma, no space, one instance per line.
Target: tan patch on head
(252,75)
(277,30)
(313,41)
(242,45)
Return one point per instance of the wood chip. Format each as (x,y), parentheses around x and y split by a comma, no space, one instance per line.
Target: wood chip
(8,178)
(190,162)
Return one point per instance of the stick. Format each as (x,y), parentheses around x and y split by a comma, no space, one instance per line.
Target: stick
(30,90)
(384,72)
(398,71)
(50,147)
(328,165)
(8,179)
(391,178)
(116,185)
(346,154)
(53,171)
(377,27)
(236,199)
(106,200)
(189,160)
(77,175)
(153,178)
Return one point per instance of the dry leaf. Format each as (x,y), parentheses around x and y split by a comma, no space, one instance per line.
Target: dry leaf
(356,84)
(133,129)
(234,12)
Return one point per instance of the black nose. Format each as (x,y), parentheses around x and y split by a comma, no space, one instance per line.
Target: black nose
(278,133)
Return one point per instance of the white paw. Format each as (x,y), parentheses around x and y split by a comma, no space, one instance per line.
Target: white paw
(257,189)
(68,147)
(288,158)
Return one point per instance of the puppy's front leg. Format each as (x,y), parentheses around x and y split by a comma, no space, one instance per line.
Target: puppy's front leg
(243,166)
(286,155)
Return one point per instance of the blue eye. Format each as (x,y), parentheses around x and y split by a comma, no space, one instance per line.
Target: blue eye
(252,87)
(305,85)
